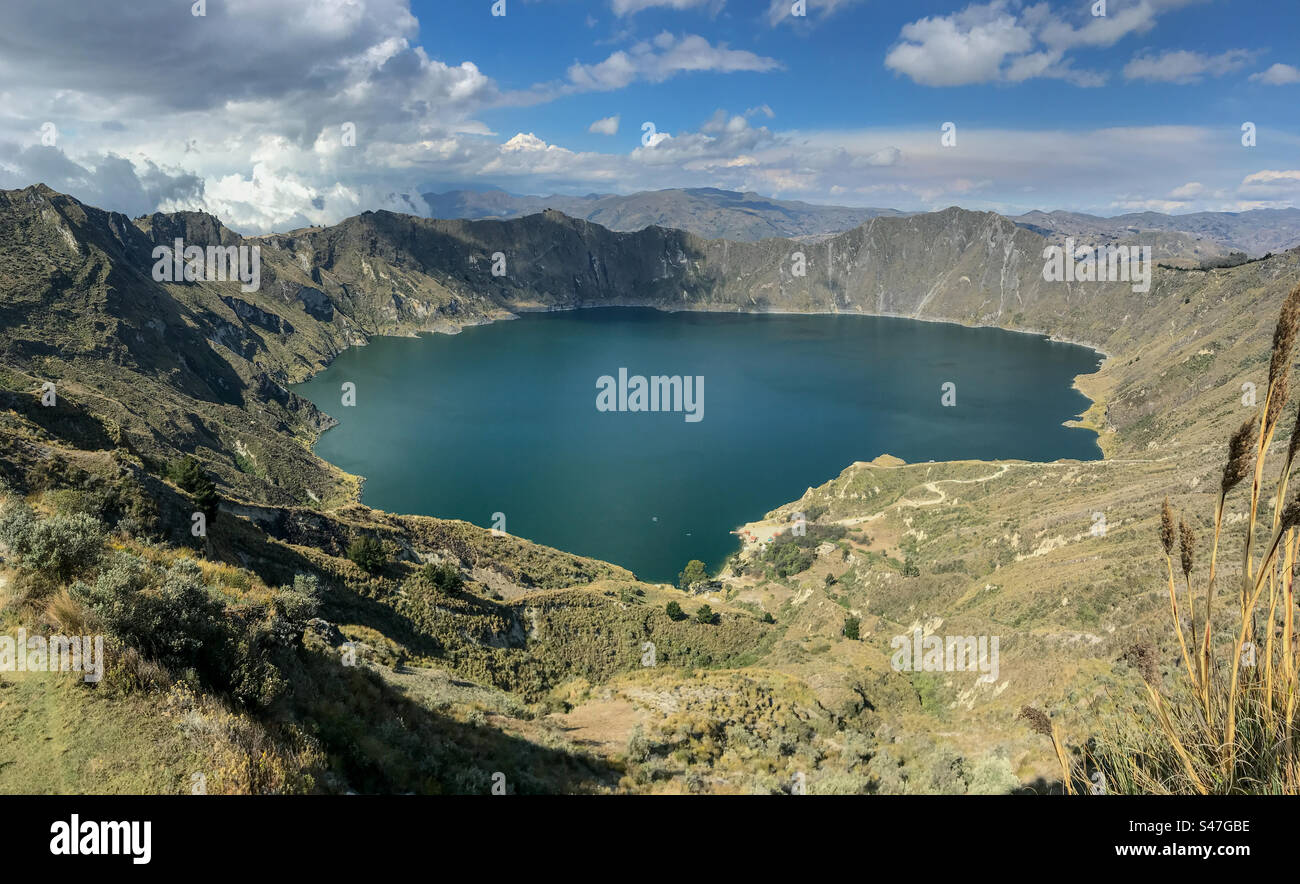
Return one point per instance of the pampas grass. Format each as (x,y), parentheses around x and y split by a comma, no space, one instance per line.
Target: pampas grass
(1229,725)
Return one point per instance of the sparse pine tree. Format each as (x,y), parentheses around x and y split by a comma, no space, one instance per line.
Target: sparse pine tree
(368,554)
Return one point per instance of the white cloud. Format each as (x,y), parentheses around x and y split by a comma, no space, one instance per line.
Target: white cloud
(1187,191)
(1278,75)
(968,47)
(1272,184)
(631,7)
(1182,66)
(1008,41)
(1168,207)
(1100,32)
(157,114)
(605,126)
(1270,176)
(781,11)
(661,58)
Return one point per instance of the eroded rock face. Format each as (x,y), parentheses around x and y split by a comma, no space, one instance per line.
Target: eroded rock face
(257,316)
(316,303)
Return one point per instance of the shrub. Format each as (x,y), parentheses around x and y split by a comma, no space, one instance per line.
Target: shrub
(442,576)
(58,547)
(169,616)
(674,611)
(294,606)
(851,627)
(638,747)
(910,568)
(368,554)
(706,615)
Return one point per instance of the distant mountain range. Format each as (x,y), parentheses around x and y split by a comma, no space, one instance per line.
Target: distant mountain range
(747,217)
(1256,232)
(704,211)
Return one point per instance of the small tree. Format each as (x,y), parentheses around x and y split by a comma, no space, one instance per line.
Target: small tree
(674,611)
(768,618)
(443,576)
(368,554)
(705,615)
(851,625)
(910,569)
(694,572)
(190,478)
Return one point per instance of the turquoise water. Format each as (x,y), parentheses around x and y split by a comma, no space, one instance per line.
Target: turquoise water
(502,418)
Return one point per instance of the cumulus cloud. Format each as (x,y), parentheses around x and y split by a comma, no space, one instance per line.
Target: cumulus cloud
(1008,41)
(154,110)
(968,47)
(105,180)
(1182,66)
(1187,191)
(1278,75)
(605,126)
(1272,185)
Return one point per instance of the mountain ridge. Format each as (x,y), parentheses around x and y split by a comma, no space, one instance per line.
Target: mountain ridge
(721,214)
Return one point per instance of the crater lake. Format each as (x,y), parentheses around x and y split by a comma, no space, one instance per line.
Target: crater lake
(503,419)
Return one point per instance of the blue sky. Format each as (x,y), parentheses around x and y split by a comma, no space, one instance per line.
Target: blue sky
(834,74)
(240,110)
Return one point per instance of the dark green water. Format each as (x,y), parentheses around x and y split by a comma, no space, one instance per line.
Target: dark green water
(502,418)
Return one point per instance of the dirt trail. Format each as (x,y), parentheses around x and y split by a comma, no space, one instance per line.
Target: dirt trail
(940,495)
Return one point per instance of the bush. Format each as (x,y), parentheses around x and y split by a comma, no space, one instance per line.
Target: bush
(442,576)
(675,611)
(768,618)
(368,554)
(169,617)
(694,572)
(851,627)
(705,615)
(910,568)
(294,606)
(58,547)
